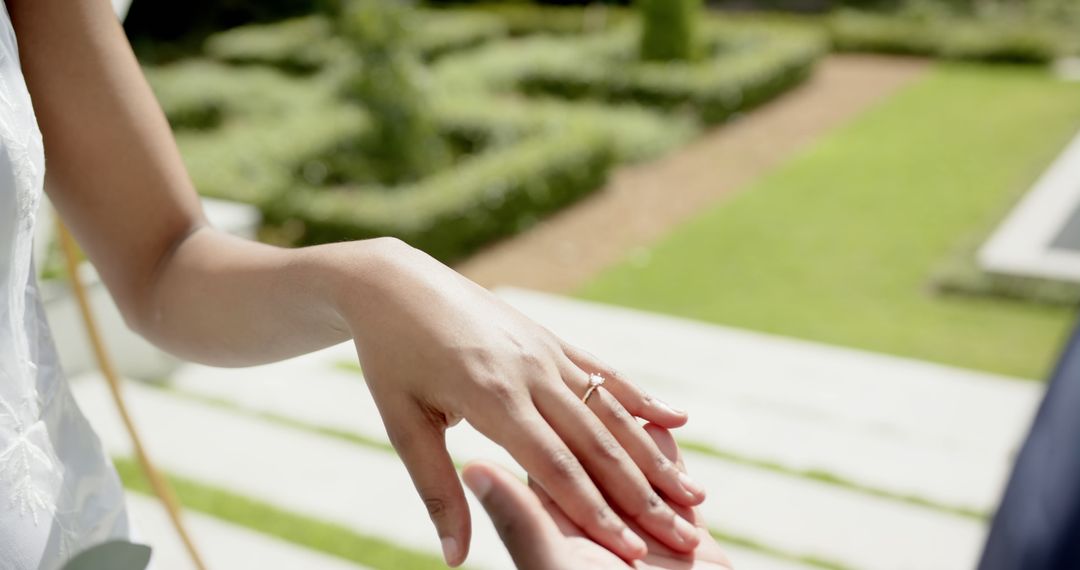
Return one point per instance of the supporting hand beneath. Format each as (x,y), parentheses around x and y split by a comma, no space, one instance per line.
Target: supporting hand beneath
(539,535)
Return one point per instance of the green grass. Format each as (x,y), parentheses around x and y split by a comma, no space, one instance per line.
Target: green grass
(299,529)
(837,245)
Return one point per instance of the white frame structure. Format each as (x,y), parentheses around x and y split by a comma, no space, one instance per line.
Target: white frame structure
(1023,243)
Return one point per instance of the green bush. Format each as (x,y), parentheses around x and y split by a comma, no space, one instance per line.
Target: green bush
(308,43)
(298,149)
(200,94)
(634,133)
(522,19)
(749,66)
(442,32)
(265,124)
(388,84)
(670,29)
(1007,41)
(299,44)
(275,132)
(452,213)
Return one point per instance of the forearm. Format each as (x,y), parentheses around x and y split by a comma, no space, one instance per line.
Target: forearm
(226,301)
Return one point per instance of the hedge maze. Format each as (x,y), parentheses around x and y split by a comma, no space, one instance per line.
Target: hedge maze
(529,115)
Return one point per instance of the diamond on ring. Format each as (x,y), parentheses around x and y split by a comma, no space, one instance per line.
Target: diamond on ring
(595,381)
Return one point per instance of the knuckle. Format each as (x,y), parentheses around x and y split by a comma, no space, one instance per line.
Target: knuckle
(563,464)
(649,505)
(501,390)
(604,518)
(607,448)
(618,411)
(532,361)
(437,507)
(663,465)
(494,390)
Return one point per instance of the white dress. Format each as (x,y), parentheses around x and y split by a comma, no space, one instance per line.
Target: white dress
(59,494)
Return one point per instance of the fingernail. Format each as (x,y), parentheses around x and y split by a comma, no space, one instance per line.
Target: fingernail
(478,482)
(450,550)
(690,485)
(687,532)
(632,541)
(667,407)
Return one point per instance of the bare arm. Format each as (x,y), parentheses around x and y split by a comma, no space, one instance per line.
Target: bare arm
(116,177)
(434,346)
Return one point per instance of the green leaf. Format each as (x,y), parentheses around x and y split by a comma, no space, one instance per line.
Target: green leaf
(114,555)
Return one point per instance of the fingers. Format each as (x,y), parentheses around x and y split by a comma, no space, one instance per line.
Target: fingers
(709,549)
(611,467)
(420,442)
(632,398)
(661,472)
(550,462)
(525,527)
(666,444)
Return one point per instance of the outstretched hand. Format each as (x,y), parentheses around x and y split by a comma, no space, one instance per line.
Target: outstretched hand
(435,348)
(539,536)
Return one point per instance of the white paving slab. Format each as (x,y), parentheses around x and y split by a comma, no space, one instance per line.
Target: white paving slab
(334,481)
(302,472)
(743,559)
(896,424)
(793,514)
(339,399)
(902,425)
(222,545)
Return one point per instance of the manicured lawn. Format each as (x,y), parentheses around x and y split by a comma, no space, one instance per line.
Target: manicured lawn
(836,245)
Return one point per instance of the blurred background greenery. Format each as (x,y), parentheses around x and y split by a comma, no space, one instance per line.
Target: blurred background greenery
(453,125)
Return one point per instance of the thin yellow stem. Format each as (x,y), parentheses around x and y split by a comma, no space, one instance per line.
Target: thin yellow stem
(161,486)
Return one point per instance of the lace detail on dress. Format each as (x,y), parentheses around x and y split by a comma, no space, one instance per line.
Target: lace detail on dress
(29,468)
(20,149)
(20,459)
(58,492)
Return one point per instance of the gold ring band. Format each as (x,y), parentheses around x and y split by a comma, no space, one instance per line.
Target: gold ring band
(595,381)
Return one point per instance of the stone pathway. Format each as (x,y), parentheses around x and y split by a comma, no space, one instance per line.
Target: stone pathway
(766,412)
(642,203)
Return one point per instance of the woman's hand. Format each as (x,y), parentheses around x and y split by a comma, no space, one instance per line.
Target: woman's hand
(540,537)
(436,348)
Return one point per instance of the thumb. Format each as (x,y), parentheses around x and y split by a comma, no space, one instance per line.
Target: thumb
(527,530)
(421,444)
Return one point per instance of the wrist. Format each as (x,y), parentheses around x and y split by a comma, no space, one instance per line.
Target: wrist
(359,277)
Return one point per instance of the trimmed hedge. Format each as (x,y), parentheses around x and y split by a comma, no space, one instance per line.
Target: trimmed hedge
(452,213)
(271,146)
(995,41)
(670,29)
(266,125)
(309,43)
(634,133)
(294,147)
(522,19)
(299,44)
(750,64)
